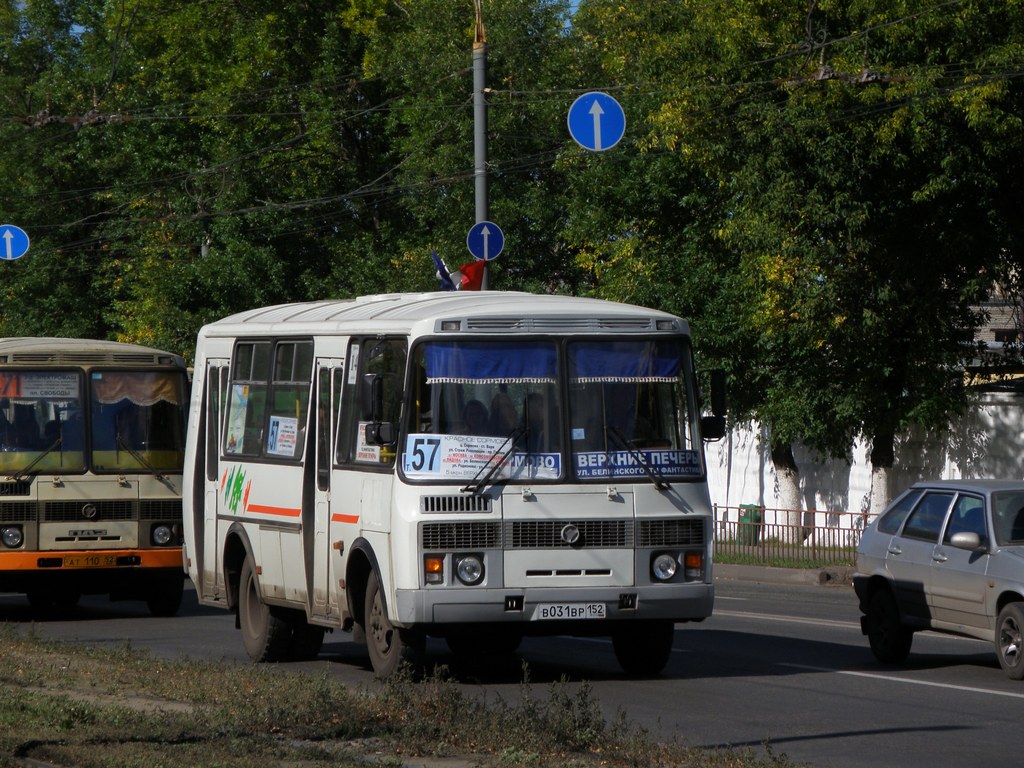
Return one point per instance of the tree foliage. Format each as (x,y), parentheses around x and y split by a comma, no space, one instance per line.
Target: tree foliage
(828,191)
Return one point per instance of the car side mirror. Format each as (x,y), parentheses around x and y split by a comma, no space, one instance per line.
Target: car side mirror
(967,540)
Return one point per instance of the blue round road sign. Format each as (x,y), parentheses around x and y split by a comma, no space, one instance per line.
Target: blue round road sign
(596,121)
(485,240)
(13,242)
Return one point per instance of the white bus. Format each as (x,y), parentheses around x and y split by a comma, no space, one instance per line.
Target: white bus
(471,466)
(92,439)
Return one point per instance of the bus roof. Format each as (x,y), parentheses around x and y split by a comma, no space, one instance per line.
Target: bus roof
(50,350)
(478,311)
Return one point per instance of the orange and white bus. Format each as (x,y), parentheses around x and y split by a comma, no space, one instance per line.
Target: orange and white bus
(470,466)
(92,439)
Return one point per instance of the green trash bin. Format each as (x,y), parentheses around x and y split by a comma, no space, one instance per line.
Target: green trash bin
(749,529)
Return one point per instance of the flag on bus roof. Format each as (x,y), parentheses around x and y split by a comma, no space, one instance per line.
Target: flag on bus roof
(443,274)
(468,277)
(471,276)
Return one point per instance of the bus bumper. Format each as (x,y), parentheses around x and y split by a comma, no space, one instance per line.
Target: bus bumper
(685,602)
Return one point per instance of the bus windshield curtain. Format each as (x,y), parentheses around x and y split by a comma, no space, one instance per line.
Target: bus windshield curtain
(624,361)
(492,363)
(139,388)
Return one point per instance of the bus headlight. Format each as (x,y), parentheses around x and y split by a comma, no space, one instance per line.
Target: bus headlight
(162,535)
(663,566)
(469,569)
(12,536)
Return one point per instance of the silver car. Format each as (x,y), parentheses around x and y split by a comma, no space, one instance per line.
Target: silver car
(948,556)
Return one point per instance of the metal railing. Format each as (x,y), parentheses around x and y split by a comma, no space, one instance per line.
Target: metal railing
(754,534)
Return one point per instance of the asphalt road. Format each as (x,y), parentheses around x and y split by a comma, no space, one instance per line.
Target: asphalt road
(782,667)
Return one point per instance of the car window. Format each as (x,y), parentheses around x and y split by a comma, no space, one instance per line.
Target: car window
(897,513)
(926,520)
(968,516)
(1008,517)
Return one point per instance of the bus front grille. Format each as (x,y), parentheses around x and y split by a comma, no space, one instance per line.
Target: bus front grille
(462,503)
(16,488)
(160,509)
(73,511)
(670,533)
(455,535)
(581,534)
(18,512)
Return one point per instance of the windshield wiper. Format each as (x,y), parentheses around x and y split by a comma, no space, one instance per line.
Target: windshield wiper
(476,485)
(652,472)
(142,460)
(23,473)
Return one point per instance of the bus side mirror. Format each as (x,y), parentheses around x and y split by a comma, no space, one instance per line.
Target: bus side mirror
(380,433)
(712,427)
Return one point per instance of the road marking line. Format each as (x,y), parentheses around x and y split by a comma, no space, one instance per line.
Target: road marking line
(788,619)
(890,678)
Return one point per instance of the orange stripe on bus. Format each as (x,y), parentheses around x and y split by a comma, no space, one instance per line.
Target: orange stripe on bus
(340,518)
(263,509)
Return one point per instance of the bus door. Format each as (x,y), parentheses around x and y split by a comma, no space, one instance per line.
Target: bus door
(370,396)
(210,571)
(325,600)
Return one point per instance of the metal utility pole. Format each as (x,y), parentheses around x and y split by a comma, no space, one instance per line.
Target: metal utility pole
(480,123)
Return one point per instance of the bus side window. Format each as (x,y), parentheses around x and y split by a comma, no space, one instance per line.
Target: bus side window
(247,398)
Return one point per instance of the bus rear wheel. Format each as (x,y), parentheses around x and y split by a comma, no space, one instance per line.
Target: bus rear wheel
(265,634)
(643,648)
(388,646)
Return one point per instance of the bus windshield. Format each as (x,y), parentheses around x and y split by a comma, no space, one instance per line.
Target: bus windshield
(137,420)
(125,421)
(41,420)
(496,405)
(478,404)
(631,412)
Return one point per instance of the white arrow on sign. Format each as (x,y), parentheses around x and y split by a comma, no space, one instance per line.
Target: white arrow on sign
(596,112)
(486,234)
(8,236)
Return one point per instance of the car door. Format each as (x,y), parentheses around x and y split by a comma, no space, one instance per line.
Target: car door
(909,556)
(958,580)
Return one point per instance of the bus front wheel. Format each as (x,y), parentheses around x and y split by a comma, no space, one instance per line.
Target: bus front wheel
(265,634)
(643,648)
(388,646)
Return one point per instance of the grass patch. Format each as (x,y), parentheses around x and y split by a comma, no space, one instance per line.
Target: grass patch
(90,707)
(782,561)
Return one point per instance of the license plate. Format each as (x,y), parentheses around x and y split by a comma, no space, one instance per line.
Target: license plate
(90,561)
(556,611)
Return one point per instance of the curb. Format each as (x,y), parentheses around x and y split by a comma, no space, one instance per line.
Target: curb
(762,574)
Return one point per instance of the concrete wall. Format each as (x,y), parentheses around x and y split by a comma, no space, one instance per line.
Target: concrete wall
(987,442)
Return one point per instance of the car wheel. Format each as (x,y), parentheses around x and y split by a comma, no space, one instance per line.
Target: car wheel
(890,640)
(1009,639)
